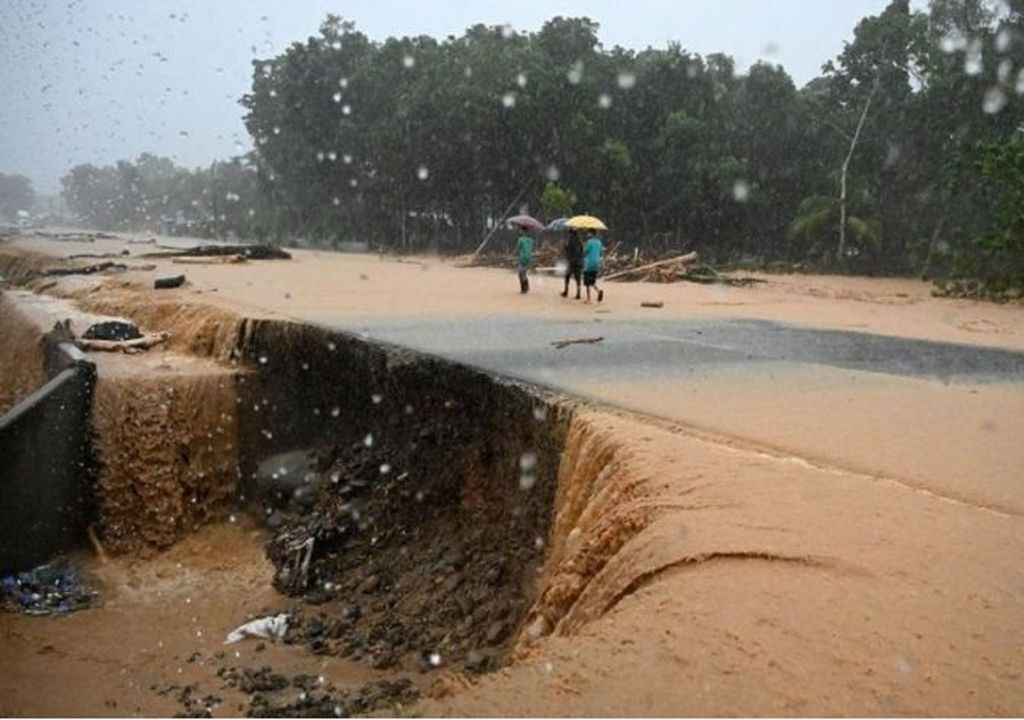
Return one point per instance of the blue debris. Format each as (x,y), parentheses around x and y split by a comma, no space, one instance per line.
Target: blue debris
(54,588)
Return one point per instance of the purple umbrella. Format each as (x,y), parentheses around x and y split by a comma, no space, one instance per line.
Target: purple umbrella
(525,221)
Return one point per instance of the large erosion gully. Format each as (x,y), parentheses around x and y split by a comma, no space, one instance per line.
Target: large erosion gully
(436,488)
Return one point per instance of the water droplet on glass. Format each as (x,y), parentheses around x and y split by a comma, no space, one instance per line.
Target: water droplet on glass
(277,130)
(552,173)
(604,101)
(575,74)
(385,468)
(468,72)
(527,461)
(336,44)
(994,100)
(336,97)
(336,201)
(263,359)
(741,190)
(343,82)
(540,413)
(335,477)
(509,100)
(1004,71)
(507,31)
(368,440)
(435,659)
(335,411)
(422,172)
(521,80)
(1003,40)
(231,518)
(408,61)
(538,542)
(626,80)
(973,60)
(1020,82)
(332,156)
(527,481)
(346,109)
(347,159)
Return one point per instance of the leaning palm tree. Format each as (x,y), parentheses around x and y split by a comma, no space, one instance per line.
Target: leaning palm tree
(817,221)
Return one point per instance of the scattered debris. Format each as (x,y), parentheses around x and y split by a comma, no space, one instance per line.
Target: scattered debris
(219,260)
(131,347)
(53,588)
(99,255)
(87,270)
(169,282)
(250,252)
(271,626)
(559,344)
(679,261)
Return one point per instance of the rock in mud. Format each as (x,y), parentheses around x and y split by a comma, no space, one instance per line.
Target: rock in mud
(168,283)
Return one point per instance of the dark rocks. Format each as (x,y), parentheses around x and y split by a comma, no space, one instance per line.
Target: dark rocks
(168,283)
(112,330)
(496,632)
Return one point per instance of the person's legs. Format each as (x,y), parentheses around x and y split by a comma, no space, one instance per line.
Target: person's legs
(589,278)
(568,274)
(524,281)
(576,272)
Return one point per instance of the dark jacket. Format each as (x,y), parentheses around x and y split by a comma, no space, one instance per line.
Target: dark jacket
(574,249)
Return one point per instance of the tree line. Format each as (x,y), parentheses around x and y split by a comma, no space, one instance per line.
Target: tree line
(906,155)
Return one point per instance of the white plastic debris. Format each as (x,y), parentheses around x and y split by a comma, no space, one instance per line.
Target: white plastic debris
(271,626)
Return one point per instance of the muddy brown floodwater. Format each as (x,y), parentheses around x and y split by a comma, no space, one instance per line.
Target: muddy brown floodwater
(502,550)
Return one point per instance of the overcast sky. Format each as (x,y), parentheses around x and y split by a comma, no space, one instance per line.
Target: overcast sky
(101,80)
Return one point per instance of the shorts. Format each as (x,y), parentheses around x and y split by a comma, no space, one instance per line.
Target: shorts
(573,271)
(590,278)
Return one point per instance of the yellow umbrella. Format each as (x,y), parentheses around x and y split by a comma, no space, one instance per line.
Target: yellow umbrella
(586,222)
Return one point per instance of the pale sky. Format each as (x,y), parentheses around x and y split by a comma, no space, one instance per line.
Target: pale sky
(102,80)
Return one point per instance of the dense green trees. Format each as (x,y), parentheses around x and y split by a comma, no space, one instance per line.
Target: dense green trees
(902,157)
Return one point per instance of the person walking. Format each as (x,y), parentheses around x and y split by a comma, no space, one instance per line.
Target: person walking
(524,247)
(592,252)
(574,261)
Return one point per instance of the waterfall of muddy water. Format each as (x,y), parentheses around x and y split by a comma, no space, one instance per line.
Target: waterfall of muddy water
(21,356)
(598,508)
(166,436)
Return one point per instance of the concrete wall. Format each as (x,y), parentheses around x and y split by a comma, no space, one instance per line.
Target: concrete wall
(46,463)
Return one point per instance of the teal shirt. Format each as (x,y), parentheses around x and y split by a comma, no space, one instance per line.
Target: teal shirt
(525,249)
(592,255)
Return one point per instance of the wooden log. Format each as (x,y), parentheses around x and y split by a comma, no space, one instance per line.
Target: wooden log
(559,344)
(682,259)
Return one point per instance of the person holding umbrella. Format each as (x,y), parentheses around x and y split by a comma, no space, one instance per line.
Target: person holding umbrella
(524,246)
(593,249)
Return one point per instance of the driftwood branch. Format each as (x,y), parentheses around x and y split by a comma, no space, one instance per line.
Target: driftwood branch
(690,257)
(559,344)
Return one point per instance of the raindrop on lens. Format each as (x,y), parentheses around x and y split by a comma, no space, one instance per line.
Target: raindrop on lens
(741,190)
(368,440)
(408,61)
(422,172)
(994,100)
(604,101)
(509,100)
(385,468)
(521,80)
(626,80)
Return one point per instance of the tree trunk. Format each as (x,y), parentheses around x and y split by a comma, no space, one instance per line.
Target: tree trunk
(841,250)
